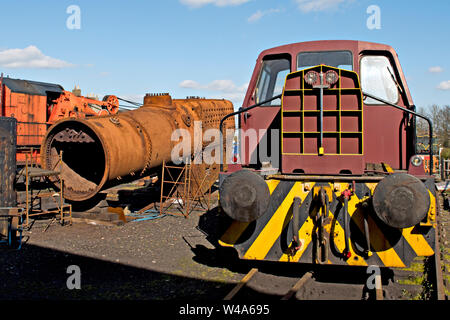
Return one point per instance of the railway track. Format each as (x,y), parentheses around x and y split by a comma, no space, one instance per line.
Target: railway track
(425,279)
(307,284)
(332,284)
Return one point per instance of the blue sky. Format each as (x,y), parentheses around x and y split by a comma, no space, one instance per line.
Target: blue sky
(208,47)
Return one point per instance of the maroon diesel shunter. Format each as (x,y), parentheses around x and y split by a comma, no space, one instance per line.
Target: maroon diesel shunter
(328,169)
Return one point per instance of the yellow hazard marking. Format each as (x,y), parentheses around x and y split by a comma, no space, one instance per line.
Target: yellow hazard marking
(417,242)
(337,240)
(304,235)
(388,168)
(280,219)
(378,241)
(265,240)
(431,215)
(272,184)
(337,234)
(237,228)
(371,186)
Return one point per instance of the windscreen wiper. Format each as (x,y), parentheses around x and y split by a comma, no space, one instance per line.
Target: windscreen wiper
(395,81)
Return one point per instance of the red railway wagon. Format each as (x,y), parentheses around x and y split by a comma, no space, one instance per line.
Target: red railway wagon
(37,105)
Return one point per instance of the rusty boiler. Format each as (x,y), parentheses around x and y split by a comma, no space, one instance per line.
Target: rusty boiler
(99,151)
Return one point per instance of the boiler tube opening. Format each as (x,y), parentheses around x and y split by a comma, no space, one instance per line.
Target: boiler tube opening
(83,166)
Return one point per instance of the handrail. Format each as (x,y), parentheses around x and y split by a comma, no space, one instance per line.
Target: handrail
(241,110)
(235,113)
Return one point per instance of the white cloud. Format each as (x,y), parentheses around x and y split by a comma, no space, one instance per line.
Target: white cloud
(259,14)
(444,85)
(218,3)
(226,89)
(436,69)
(319,5)
(216,85)
(256,16)
(30,57)
(191,84)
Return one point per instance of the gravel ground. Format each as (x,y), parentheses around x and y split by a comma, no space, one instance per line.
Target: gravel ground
(162,259)
(166,258)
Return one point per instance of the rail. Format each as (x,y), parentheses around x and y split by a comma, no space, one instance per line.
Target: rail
(250,275)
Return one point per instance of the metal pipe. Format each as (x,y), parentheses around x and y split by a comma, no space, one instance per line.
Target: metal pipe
(322,247)
(296,221)
(346,229)
(367,234)
(321,87)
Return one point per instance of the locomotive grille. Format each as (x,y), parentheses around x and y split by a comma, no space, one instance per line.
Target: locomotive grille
(342,115)
(320,120)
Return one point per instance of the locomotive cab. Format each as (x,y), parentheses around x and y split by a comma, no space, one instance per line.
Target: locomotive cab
(335,124)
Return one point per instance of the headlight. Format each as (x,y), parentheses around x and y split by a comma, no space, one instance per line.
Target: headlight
(331,77)
(416,161)
(311,77)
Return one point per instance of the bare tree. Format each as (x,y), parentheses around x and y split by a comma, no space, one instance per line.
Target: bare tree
(445,134)
(421,124)
(440,116)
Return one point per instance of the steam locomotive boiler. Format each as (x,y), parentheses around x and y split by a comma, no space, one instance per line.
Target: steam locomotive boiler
(339,181)
(99,151)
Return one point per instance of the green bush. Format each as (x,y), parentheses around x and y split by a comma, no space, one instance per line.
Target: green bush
(445,153)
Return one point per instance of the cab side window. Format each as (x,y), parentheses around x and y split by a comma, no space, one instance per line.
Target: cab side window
(377,78)
(271,80)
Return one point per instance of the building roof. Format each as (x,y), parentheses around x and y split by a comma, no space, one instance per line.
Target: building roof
(31,87)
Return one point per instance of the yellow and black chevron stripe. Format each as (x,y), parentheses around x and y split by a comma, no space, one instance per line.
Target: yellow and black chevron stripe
(270,236)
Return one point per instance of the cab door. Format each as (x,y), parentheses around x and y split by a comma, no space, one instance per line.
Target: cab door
(256,124)
(387,131)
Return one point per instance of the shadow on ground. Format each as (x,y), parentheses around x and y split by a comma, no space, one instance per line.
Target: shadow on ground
(41,273)
(214,224)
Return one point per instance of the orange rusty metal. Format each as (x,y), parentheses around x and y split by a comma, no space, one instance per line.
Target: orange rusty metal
(99,150)
(69,105)
(37,105)
(30,112)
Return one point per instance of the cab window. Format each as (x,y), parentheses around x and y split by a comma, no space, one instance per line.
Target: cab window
(337,59)
(377,78)
(271,80)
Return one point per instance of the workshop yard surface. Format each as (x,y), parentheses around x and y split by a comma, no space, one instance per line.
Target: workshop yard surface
(157,259)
